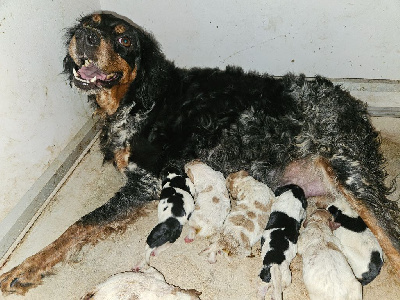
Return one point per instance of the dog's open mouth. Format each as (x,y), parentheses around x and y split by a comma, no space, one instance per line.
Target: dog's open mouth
(89,77)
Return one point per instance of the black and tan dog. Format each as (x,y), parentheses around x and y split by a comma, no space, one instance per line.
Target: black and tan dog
(288,130)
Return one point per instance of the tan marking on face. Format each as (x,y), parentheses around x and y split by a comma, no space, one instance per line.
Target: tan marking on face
(215,199)
(121,157)
(96,18)
(243,222)
(109,99)
(120,29)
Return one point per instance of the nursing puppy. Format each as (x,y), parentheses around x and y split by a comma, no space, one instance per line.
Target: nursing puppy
(359,245)
(148,284)
(326,273)
(174,210)
(247,219)
(280,238)
(212,203)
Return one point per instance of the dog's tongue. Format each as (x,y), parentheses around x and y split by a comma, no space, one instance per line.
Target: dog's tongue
(89,72)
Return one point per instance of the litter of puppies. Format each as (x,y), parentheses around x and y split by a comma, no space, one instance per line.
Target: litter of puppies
(339,253)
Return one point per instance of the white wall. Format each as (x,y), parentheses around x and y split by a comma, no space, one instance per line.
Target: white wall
(39,112)
(352,39)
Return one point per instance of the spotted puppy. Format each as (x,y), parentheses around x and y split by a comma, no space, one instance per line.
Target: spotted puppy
(174,210)
(279,240)
(326,273)
(212,203)
(146,284)
(359,245)
(247,219)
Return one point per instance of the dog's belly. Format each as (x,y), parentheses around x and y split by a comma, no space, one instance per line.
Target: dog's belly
(307,175)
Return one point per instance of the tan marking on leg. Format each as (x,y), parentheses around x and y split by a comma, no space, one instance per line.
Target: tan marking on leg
(121,158)
(31,271)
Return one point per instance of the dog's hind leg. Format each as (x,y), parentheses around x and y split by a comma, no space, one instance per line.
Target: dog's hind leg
(113,216)
(368,199)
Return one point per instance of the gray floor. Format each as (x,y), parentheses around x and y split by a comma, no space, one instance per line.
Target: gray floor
(93,183)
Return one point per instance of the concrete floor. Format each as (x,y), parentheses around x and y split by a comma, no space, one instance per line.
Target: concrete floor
(93,183)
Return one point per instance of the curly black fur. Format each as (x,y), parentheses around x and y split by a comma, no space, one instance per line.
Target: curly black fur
(233,120)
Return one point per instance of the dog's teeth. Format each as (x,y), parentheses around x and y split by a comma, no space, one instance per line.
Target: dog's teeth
(93,79)
(109,76)
(75,73)
(87,62)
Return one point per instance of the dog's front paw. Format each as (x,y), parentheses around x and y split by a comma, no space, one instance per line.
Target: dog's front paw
(20,279)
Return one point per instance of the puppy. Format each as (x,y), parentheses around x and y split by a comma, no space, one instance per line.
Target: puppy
(148,284)
(326,273)
(212,203)
(174,210)
(246,221)
(280,238)
(359,245)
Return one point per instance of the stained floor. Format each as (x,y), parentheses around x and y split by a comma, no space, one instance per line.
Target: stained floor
(93,183)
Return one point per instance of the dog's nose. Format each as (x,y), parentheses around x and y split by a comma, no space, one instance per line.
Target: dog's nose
(88,37)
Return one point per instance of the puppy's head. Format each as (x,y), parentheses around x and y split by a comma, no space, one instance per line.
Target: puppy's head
(103,57)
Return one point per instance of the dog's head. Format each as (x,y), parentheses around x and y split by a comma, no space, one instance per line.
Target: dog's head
(103,57)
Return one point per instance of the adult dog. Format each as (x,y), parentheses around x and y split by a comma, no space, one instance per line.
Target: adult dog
(288,130)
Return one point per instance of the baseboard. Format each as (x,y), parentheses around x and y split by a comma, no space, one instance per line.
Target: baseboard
(17,223)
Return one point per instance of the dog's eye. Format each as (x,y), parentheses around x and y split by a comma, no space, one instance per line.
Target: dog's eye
(124,41)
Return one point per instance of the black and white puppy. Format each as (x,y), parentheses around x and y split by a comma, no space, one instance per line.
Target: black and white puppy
(279,241)
(174,210)
(359,245)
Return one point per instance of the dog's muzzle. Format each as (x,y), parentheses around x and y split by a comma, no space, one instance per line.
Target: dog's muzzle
(87,74)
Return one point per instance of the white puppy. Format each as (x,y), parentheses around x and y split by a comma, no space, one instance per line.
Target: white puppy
(146,284)
(326,273)
(247,219)
(212,203)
